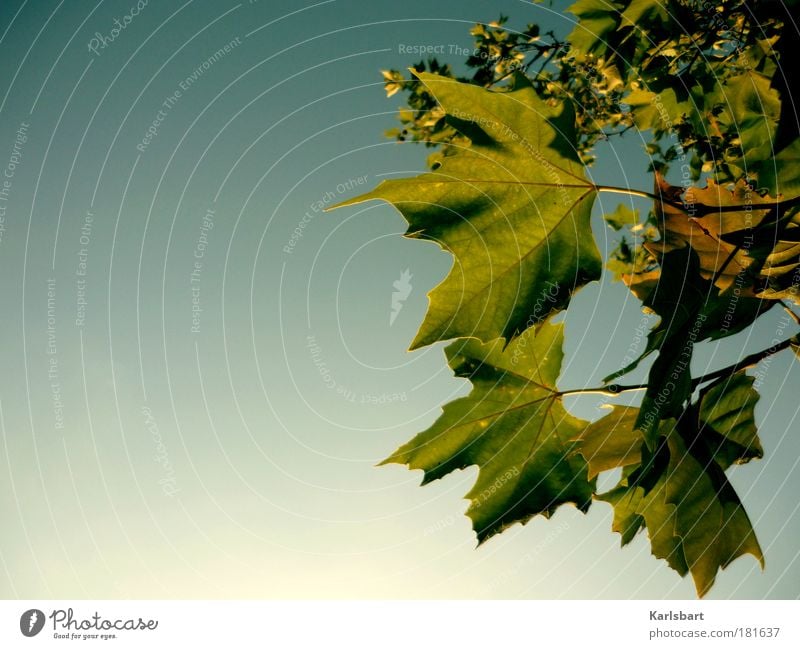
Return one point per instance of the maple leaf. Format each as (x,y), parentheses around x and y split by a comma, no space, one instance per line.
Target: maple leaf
(712,265)
(727,416)
(753,252)
(513,426)
(692,514)
(694,517)
(705,230)
(513,207)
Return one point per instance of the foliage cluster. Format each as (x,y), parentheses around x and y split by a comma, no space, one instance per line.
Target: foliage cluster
(507,194)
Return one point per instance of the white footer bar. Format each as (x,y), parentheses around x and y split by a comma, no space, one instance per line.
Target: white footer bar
(396,624)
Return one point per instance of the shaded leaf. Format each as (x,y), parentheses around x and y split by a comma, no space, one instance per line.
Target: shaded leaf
(639,10)
(658,110)
(727,412)
(750,111)
(780,175)
(693,516)
(691,252)
(597,20)
(692,226)
(678,298)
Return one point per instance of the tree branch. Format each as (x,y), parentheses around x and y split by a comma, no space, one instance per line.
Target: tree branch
(702,209)
(637,192)
(614,389)
(746,362)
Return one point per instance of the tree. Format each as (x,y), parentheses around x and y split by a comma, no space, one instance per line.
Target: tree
(507,195)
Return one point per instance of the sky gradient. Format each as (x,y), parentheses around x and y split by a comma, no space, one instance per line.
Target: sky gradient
(200,368)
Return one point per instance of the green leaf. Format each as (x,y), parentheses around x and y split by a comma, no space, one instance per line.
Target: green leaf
(781,175)
(598,19)
(692,514)
(644,10)
(709,518)
(635,509)
(750,112)
(658,110)
(611,441)
(513,426)
(621,217)
(513,207)
(727,412)
(628,512)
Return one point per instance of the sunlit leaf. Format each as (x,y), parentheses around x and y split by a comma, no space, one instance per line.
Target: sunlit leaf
(512,207)
(513,426)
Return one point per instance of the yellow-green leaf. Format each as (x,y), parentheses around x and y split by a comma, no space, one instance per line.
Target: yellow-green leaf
(611,441)
(622,216)
(513,207)
(692,514)
(513,426)
(727,411)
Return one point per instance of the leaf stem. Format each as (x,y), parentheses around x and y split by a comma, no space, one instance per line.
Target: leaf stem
(726,263)
(700,209)
(613,389)
(633,192)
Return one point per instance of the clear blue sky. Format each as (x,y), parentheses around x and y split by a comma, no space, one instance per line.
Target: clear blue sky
(188,410)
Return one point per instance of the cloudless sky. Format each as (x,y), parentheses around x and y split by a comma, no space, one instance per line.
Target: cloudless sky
(189,410)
